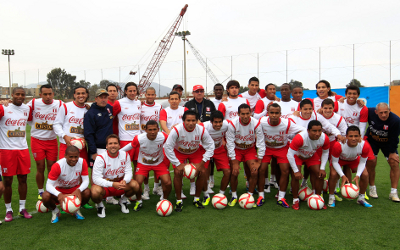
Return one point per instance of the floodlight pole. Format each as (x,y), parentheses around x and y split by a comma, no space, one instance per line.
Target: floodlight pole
(183,34)
(8,52)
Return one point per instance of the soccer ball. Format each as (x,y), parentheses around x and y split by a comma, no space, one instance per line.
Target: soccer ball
(189,171)
(246,201)
(315,202)
(164,208)
(71,204)
(219,201)
(41,208)
(78,142)
(305,193)
(325,187)
(350,191)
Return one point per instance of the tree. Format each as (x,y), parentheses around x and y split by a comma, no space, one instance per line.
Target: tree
(243,89)
(295,83)
(62,83)
(105,83)
(92,91)
(355,82)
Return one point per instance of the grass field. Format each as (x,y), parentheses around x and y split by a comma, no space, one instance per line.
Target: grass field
(348,226)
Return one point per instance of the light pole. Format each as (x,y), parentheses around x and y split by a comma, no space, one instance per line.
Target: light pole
(8,52)
(183,34)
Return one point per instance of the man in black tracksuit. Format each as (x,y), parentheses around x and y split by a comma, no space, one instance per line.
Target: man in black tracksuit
(200,105)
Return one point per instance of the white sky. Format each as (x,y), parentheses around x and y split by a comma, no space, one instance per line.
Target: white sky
(91,37)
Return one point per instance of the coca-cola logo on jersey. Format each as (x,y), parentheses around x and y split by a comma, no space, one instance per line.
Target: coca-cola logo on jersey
(248,137)
(349,120)
(133,117)
(75,120)
(46,117)
(233,114)
(120,170)
(189,144)
(148,118)
(72,183)
(19,122)
(278,138)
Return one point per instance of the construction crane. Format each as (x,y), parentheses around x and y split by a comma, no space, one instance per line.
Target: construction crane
(160,54)
(203,63)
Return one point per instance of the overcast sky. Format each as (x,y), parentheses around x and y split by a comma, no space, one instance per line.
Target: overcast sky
(107,39)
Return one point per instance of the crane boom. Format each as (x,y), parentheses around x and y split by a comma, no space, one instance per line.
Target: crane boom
(203,63)
(160,54)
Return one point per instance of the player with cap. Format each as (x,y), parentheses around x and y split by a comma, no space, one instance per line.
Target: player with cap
(177,88)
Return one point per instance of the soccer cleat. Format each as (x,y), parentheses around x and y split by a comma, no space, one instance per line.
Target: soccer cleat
(394,197)
(296,205)
(55,216)
(373,193)
(111,200)
(9,216)
(62,211)
(331,203)
(179,206)
(338,198)
(209,190)
(1,223)
(78,215)
(267,188)
(101,211)
(260,201)
(87,206)
(146,194)
(366,196)
(206,201)
(324,207)
(124,206)
(211,184)
(282,202)
(158,191)
(337,190)
(183,196)
(25,214)
(137,207)
(40,196)
(233,202)
(192,190)
(198,204)
(363,203)
(276,185)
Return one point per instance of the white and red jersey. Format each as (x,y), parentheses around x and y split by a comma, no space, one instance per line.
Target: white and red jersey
(327,127)
(172,116)
(188,142)
(287,108)
(150,152)
(149,112)
(318,101)
(346,153)
(337,121)
(243,136)
(305,147)
(69,121)
(128,112)
(251,98)
(216,102)
(276,136)
(43,117)
(217,135)
(13,126)
(108,169)
(67,176)
(230,108)
(261,107)
(353,115)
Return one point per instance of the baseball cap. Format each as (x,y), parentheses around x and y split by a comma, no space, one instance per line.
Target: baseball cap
(177,86)
(99,92)
(197,87)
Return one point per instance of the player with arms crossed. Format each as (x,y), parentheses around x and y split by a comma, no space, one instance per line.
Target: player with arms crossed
(68,176)
(352,156)
(112,176)
(244,133)
(182,145)
(303,150)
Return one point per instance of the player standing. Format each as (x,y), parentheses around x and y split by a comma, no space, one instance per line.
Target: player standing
(172,115)
(324,91)
(252,95)
(297,93)
(179,89)
(112,91)
(288,106)
(229,108)
(262,105)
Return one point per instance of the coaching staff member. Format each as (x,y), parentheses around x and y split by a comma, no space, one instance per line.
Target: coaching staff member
(200,105)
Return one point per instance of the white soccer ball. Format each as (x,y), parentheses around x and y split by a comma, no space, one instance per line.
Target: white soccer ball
(315,202)
(219,201)
(164,208)
(305,193)
(325,187)
(71,204)
(350,191)
(41,208)
(189,171)
(78,142)
(246,201)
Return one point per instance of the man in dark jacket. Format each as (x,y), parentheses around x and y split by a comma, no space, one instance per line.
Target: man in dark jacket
(200,105)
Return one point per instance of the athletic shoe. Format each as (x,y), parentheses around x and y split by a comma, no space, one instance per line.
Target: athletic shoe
(192,190)
(260,201)
(111,200)
(9,216)
(324,207)
(331,203)
(296,205)
(179,206)
(78,215)
(337,190)
(124,206)
(232,202)
(183,196)
(87,206)
(338,198)
(137,207)
(1,223)
(373,193)
(364,203)
(54,216)
(25,214)
(62,211)
(304,184)
(158,190)
(209,190)
(40,196)
(206,201)
(198,204)
(146,194)
(101,211)
(275,184)
(394,197)
(366,196)
(211,183)
(267,189)
(282,202)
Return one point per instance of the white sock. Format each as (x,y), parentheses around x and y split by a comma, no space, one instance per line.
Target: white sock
(304,182)
(156,184)
(221,192)
(266,181)
(211,177)
(373,187)
(331,196)
(146,186)
(123,199)
(234,194)
(261,194)
(281,195)
(313,191)
(393,190)
(21,204)
(361,197)
(8,207)
(140,201)
(179,201)
(193,184)
(196,198)
(100,204)
(272,178)
(205,194)
(337,183)
(250,193)
(295,200)
(40,190)
(56,210)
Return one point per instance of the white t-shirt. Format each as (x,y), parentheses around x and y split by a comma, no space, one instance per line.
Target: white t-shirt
(216,102)
(69,121)
(337,121)
(13,126)
(216,135)
(251,98)
(149,112)
(318,101)
(276,136)
(230,108)
(354,115)
(287,108)
(305,147)
(150,152)
(172,116)
(67,176)
(128,112)
(261,107)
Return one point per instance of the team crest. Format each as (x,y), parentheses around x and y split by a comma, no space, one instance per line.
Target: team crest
(385,127)
(292,109)
(196,137)
(208,109)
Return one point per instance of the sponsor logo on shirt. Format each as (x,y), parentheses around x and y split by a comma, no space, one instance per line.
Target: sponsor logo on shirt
(76,130)
(43,126)
(19,122)
(16,133)
(46,117)
(75,120)
(132,126)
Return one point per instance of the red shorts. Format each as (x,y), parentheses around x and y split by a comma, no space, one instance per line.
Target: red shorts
(220,158)
(244,155)
(166,161)
(330,147)
(133,153)
(67,190)
(44,149)
(15,162)
(371,155)
(195,157)
(83,154)
(279,153)
(160,169)
(110,191)
(353,165)
(313,160)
